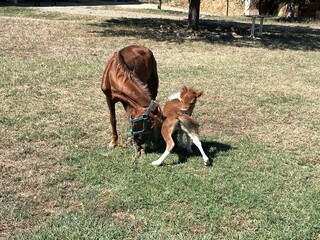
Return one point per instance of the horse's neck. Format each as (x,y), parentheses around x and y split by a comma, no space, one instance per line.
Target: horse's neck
(128,103)
(132,90)
(177,97)
(134,95)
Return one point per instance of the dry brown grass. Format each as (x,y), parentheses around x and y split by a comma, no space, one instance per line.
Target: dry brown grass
(218,8)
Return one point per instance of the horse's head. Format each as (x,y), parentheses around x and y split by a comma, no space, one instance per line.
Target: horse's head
(155,116)
(144,120)
(188,98)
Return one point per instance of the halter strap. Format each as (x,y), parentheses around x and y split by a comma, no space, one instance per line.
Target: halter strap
(143,118)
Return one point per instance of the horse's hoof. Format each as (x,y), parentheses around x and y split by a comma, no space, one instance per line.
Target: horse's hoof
(156,163)
(207,162)
(142,153)
(137,155)
(112,145)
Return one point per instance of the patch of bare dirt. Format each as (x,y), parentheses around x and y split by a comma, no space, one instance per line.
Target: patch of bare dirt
(118,11)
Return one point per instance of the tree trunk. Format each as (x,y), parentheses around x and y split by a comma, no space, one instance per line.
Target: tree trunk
(194,14)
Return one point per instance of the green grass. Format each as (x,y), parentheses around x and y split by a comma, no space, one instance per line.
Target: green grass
(259,124)
(251,192)
(27,12)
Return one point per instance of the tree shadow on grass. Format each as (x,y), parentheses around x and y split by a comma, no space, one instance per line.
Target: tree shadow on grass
(212,31)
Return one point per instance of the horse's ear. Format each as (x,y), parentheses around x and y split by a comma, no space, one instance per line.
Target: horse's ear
(156,106)
(200,93)
(183,92)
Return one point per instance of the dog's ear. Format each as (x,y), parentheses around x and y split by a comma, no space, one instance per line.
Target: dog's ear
(184,89)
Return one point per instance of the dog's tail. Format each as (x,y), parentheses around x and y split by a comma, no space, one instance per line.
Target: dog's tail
(189,124)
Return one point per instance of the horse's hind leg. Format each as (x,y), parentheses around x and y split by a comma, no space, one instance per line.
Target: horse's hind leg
(113,122)
(197,142)
(189,149)
(186,146)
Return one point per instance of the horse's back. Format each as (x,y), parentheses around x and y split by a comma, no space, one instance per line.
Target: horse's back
(136,59)
(141,61)
(171,108)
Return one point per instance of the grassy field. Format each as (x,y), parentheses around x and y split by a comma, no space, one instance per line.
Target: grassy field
(259,124)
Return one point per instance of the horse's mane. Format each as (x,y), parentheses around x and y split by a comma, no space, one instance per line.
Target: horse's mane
(131,76)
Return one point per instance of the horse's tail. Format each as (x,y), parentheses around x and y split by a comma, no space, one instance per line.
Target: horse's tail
(188,123)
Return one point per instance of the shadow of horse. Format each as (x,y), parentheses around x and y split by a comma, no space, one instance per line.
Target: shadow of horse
(211,148)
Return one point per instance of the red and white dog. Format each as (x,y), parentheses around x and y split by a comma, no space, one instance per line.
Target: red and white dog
(177,115)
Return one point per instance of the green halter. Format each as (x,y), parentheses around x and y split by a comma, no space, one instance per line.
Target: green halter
(143,118)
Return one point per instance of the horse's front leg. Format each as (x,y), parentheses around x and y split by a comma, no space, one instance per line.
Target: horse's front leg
(139,150)
(167,129)
(113,121)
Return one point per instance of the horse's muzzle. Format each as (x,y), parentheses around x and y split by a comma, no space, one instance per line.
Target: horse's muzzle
(184,112)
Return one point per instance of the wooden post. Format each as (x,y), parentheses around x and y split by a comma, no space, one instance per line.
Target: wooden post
(247,5)
(227,8)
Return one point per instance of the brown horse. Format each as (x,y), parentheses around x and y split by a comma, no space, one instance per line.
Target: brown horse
(131,77)
(177,116)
